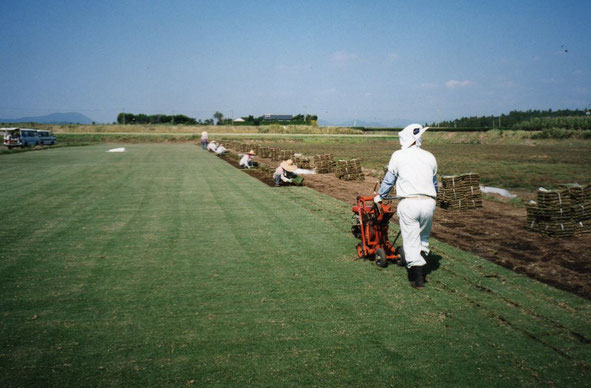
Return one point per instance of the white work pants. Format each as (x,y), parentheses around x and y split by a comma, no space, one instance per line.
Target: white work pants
(415,217)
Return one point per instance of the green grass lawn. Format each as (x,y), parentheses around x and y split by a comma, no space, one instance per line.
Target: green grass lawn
(164,265)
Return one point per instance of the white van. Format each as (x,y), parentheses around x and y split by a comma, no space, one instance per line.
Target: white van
(20,137)
(46,137)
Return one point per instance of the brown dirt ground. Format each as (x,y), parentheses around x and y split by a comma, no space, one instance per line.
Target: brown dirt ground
(495,232)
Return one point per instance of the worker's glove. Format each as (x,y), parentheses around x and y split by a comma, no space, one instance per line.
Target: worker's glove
(377,199)
(289,180)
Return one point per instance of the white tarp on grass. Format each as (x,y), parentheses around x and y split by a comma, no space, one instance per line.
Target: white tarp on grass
(303,171)
(496,190)
(122,149)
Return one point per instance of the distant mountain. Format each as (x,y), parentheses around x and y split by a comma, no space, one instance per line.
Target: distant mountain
(54,118)
(396,123)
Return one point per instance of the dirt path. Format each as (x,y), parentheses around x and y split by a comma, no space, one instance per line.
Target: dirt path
(495,232)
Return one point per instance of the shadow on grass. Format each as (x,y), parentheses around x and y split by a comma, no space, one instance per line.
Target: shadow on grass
(431,266)
(432,263)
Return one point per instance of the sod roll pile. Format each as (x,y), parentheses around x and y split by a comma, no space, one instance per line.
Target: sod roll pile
(580,198)
(460,192)
(324,164)
(285,154)
(302,161)
(264,152)
(274,153)
(349,170)
(551,214)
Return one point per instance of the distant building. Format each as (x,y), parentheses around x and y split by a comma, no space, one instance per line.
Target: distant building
(239,120)
(270,117)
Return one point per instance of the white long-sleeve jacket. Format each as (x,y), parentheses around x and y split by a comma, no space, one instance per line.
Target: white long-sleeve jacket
(414,171)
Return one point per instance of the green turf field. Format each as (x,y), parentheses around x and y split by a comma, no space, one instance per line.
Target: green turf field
(165,266)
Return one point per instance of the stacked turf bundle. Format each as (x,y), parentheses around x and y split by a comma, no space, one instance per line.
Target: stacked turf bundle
(232,144)
(580,204)
(460,192)
(303,161)
(551,214)
(263,152)
(533,216)
(324,164)
(285,154)
(349,170)
(273,153)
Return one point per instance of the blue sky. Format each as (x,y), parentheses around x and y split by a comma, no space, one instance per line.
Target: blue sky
(371,60)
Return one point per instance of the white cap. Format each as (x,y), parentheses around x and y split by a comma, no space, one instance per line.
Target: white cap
(410,134)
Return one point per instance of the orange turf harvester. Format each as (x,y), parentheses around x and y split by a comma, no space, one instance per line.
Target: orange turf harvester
(371,227)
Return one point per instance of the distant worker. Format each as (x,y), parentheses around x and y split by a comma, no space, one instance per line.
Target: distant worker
(247,162)
(413,171)
(285,173)
(212,146)
(221,150)
(204,140)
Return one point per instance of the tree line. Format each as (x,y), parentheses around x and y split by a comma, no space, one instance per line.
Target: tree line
(298,119)
(514,120)
(220,119)
(130,118)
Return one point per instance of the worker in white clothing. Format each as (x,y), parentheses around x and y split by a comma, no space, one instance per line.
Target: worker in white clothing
(212,146)
(246,160)
(413,171)
(221,150)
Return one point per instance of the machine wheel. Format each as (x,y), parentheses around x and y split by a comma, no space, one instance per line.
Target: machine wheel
(360,253)
(381,260)
(402,261)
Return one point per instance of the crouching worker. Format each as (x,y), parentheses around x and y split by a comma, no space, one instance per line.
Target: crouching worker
(221,150)
(247,162)
(212,146)
(285,174)
(413,171)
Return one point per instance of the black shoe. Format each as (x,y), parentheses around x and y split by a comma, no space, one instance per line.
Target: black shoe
(424,255)
(418,280)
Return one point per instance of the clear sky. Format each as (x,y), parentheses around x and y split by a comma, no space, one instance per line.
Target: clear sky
(370,60)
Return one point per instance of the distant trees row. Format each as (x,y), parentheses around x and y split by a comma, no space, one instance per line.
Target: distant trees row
(130,118)
(542,123)
(298,119)
(516,119)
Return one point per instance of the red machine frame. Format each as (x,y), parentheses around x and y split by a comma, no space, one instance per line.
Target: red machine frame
(372,229)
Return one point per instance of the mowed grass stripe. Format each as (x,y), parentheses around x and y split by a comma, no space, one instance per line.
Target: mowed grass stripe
(164,265)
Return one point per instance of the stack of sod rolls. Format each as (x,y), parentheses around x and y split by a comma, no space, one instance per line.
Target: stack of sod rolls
(303,162)
(551,214)
(580,203)
(264,152)
(349,170)
(285,154)
(324,164)
(460,192)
